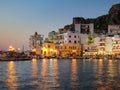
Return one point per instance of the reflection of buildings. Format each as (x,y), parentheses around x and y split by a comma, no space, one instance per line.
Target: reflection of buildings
(53,73)
(110,72)
(74,74)
(34,68)
(12,80)
(100,72)
(118,70)
(44,68)
(110,68)
(49,74)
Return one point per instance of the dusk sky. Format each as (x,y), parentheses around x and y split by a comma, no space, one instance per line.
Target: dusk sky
(21,18)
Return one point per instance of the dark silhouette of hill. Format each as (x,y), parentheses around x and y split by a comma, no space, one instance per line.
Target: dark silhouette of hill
(101,23)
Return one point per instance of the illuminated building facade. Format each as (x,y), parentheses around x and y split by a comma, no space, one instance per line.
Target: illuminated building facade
(68,49)
(116,44)
(90,49)
(49,50)
(52,49)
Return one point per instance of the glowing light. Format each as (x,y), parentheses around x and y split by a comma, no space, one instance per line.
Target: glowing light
(11,48)
(34,50)
(11,74)
(51,50)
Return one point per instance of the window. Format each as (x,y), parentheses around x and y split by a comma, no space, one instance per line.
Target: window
(69,36)
(69,47)
(69,41)
(74,41)
(65,47)
(74,36)
(48,46)
(74,47)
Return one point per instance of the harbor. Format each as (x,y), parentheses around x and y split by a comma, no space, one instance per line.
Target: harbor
(59,45)
(54,74)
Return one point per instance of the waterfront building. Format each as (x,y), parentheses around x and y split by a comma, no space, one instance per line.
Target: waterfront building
(51,49)
(68,49)
(116,44)
(109,45)
(90,49)
(104,44)
(113,29)
(101,46)
(35,42)
(48,49)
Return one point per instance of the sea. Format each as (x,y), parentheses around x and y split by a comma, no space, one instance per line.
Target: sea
(60,74)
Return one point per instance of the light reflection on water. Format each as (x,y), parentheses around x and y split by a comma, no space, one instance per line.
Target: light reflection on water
(34,68)
(53,74)
(12,79)
(118,74)
(74,74)
(100,72)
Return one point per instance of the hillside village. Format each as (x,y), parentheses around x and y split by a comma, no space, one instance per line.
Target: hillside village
(81,38)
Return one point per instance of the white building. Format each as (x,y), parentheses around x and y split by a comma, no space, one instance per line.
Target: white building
(85,28)
(113,29)
(72,37)
(91,49)
(104,44)
(108,45)
(116,44)
(83,39)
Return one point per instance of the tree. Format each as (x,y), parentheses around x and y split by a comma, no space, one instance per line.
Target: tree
(90,40)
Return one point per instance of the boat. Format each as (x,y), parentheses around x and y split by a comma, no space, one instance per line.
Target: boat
(14,58)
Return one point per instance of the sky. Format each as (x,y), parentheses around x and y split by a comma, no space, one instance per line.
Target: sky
(21,18)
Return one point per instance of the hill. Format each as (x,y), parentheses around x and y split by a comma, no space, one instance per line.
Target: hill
(101,23)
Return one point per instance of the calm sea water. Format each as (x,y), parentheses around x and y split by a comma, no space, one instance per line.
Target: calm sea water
(53,74)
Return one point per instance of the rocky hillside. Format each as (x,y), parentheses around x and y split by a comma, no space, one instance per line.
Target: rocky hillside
(102,22)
